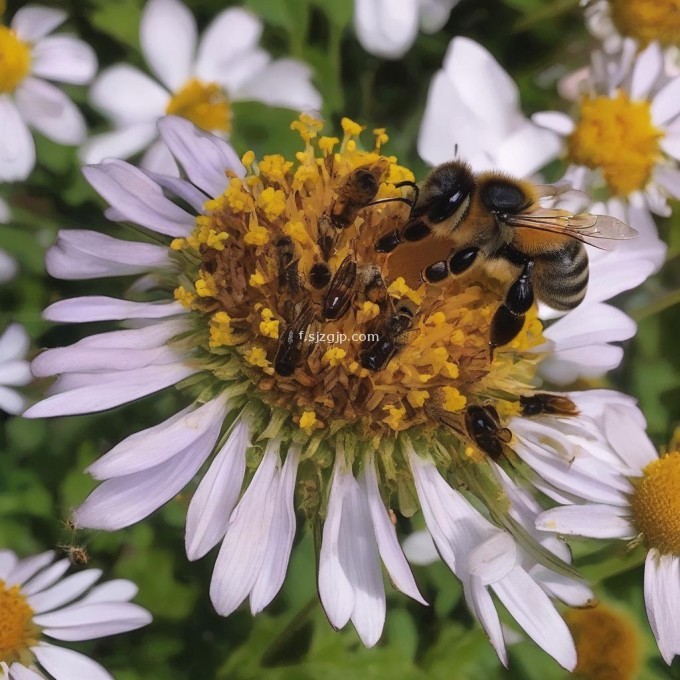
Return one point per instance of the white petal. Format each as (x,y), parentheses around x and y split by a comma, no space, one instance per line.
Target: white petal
(204,157)
(420,549)
(121,143)
(243,550)
(568,590)
(82,254)
(33,22)
(596,521)
(481,604)
(101,308)
(109,390)
(216,495)
(646,71)
(46,578)
(386,28)
(240,70)
(285,82)
(91,621)
(527,150)
(19,672)
(666,103)
(231,33)
(8,560)
(493,559)
(671,145)
(180,188)
(117,590)
(281,535)
(138,197)
(554,120)
(66,590)
(14,343)
(17,151)
(628,438)
(386,535)
(127,96)
(662,598)
(156,445)
(66,664)
(15,373)
(669,179)
(335,590)
(122,501)
(28,567)
(47,109)
(11,401)
(158,159)
(64,58)
(532,609)
(168,37)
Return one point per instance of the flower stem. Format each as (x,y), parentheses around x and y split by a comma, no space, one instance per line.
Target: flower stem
(665,301)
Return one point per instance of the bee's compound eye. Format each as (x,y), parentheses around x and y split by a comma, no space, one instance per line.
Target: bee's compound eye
(501,196)
(436,273)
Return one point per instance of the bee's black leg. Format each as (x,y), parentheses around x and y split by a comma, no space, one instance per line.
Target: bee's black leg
(462,260)
(508,320)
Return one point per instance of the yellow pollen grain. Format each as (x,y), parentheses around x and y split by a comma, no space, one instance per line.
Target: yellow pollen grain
(417,398)
(185,297)
(257,235)
(178,244)
(15,58)
(369,310)
(647,20)
(297,231)
(256,356)
(220,330)
(205,285)
(17,631)
(450,370)
(453,399)
(398,288)
(350,128)
(327,144)
(248,158)
(607,643)
(275,167)
(395,417)
(237,199)
(308,420)
(436,319)
(380,138)
(272,202)
(257,279)
(307,127)
(333,357)
(269,326)
(616,135)
(398,173)
(204,104)
(655,504)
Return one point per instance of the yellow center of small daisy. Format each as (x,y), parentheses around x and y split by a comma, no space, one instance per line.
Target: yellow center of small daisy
(607,643)
(204,104)
(15,60)
(17,630)
(647,20)
(616,136)
(284,273)
(656,504)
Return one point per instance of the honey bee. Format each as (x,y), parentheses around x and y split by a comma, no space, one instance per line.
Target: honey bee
(77,554)
(484,428)
(490,217)
(289,277)
(291,344)
(320,273)
(547,404)
(389,326)
(341,291)
(357,191)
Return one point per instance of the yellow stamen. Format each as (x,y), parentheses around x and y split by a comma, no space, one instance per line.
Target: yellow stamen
(17,631)
(204,104)
(184,296)
(647,20)
(616,136)
(656,504)
(454,400)
(308,421)
(15,60)
(333,356)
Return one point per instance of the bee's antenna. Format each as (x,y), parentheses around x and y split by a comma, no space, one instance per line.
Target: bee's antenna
(455,150)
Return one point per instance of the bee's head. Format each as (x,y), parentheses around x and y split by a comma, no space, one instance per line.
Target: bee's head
(446,193)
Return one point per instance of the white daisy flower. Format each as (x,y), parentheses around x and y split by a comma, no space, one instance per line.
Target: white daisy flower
(233,289)
(624,139)
(15,371)
(198,81)
(39,603)
(636,502)
(473,109)
(30,58)
(388,29)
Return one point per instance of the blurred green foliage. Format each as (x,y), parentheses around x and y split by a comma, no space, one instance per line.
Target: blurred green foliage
(42,463)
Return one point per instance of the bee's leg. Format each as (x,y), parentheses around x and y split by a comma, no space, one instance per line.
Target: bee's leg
(415,230)
(508,320)
(462,260)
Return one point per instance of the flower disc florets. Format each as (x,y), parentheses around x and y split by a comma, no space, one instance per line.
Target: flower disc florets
(17,630)
(253,269)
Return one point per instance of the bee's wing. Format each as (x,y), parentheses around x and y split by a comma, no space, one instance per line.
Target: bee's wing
(600,231)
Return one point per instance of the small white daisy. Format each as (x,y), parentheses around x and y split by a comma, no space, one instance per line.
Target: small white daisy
(637,502)
(623,140)
(198,80)
(38,603)
(473,107)
(30,57)
(15,371)
(282,425)
(388,29)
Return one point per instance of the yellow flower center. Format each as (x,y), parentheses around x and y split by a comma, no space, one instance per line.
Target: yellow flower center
(17,630)
(616,136)
(204,104)
(647,20)
(607,643)
(15,60)
(656,504)
(252,273)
